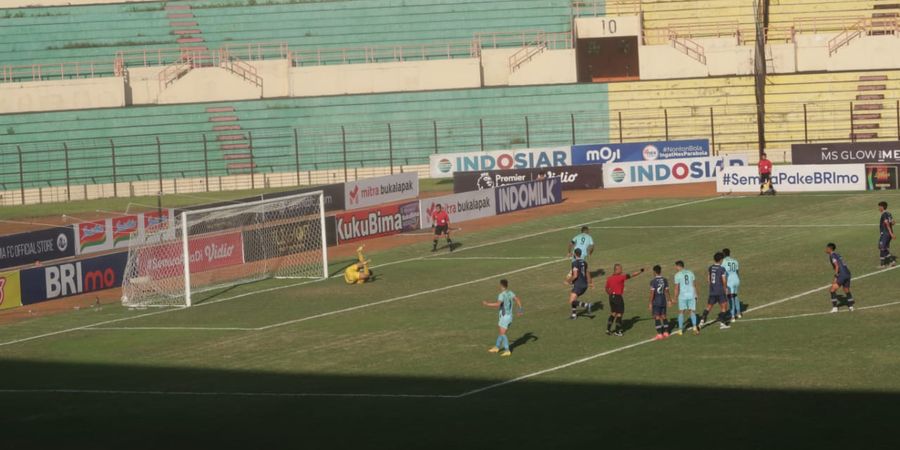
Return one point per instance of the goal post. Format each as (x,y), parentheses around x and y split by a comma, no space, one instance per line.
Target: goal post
(215,248)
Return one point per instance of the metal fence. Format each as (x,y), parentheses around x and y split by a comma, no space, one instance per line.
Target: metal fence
(296,154)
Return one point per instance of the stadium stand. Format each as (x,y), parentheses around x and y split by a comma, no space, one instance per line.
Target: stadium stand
(422,122)
(837,107)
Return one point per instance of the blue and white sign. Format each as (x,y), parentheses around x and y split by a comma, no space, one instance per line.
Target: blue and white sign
(796,178)
(639,151)
(443,165)
(530,194)
(673,171)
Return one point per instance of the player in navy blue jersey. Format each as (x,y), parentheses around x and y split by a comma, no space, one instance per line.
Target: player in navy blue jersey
(660,299)
(842,277)
(886,235)
(718,291)
(580,279)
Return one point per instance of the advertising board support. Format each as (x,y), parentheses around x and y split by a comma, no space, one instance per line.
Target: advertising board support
(297,155)
(528,134)
(112,151)
(21,175)
(252,165)
(344,150)
(390,148)
(68,183)
(158,165)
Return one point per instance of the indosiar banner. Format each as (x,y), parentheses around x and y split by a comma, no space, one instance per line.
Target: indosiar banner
(444,165)
(672,171)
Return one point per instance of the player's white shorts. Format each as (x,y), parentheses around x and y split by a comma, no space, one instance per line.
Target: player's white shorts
(687,303)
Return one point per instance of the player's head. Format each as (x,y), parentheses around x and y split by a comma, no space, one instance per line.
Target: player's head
(763,156)
(504,284)
(718,257)
(617,269)
(657,269)
(438,207)
(679,264)
(830,248)
(578,253)
(882,206)
(726,252)
(585,229)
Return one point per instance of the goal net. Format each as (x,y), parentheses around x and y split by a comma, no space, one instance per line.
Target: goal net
(214,248)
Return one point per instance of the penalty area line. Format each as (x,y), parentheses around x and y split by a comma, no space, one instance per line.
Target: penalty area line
(292,285)
(821,313)
(639,343)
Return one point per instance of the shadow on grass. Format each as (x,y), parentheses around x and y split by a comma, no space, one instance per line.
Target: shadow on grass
(207,408)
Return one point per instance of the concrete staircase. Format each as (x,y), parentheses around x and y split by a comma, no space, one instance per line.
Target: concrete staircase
(230,138)
(868,108)
(186,29)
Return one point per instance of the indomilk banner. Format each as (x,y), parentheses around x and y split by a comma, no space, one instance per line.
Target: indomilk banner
(530,194)
(846,153)
(380,190)
(460,207)
(796,178)
(573,177)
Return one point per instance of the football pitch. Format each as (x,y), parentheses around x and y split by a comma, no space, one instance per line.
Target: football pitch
(402,362)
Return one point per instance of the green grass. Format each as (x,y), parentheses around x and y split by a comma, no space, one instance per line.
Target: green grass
(821,381)
(125,204)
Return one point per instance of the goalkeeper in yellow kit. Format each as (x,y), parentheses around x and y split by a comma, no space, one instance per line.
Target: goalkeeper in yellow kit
(359,273)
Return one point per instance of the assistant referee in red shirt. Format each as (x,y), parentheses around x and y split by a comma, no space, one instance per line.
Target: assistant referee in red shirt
(615,287)
(440,221)
(765,172)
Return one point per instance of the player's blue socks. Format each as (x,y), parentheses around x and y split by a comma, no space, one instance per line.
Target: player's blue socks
(504,341)
(681,321)
(735,305)
(693,318)
(499,341)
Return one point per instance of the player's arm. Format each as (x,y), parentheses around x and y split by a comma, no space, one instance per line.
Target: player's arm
(590,279)
(606,288)
(889,224)
(837,268)
(491,304)
(636,273)
(519,308)
(591,249)
(725,283)
(677,290)
(696,289)
(571,247)
(669,296)
(573,275)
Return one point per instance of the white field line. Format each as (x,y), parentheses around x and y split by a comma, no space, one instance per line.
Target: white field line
(491,258)
(811,291)
(636,344)
(371,395)
(821,313)
(404,297)
(640,227)
(287,286)
(341,311)
(171,328)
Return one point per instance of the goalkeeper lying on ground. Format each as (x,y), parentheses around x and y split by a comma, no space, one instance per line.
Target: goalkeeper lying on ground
(359,273)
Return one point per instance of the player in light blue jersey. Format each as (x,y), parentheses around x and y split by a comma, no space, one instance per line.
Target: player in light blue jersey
(686,293)
(504,305)
(582,241)
(732,269)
